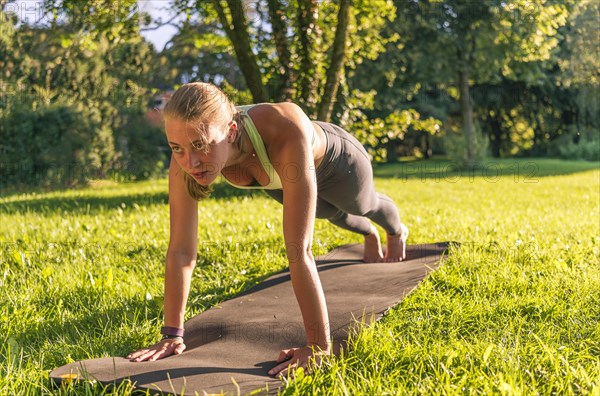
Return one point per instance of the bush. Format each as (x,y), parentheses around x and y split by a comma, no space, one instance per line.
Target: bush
(577,146)
(61,145)
(382,137)
(52,146)
(455,146)
(142,147)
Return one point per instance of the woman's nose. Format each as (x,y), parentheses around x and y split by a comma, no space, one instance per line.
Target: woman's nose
(191,161)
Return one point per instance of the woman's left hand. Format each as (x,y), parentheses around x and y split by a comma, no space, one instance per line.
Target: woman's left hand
(291,359)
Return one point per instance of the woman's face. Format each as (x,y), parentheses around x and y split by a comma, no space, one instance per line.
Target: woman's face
(201,161)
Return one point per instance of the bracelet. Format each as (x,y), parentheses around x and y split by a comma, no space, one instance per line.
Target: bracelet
(172,331)
(170,337)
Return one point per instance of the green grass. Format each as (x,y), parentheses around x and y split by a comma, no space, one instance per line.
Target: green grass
(514,310)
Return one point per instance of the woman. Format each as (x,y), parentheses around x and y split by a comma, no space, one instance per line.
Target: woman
(314,169)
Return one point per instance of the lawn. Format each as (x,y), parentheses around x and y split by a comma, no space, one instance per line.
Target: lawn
(515,309)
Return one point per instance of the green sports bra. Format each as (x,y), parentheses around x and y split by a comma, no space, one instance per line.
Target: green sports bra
(261,152)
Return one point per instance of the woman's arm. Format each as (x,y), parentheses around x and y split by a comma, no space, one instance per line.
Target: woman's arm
(180,262)
(292,156)
(183,247)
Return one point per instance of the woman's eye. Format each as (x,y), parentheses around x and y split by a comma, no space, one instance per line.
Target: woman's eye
(201,147)
(176,149)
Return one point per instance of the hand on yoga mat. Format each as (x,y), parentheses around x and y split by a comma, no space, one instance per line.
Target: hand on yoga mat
(291,359)
(164,348)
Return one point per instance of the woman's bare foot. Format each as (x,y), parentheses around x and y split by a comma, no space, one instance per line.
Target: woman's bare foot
(373,252)
(396,246)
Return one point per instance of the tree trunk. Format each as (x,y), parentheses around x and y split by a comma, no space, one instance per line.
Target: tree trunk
(237,31)
(538,136)
(336,64)
(426,145)
(307,34)
(496,126)
(285,90)
(466,111)
(392,151)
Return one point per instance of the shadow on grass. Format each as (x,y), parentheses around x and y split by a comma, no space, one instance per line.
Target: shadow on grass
(525,170)
(522,170)
(94,204)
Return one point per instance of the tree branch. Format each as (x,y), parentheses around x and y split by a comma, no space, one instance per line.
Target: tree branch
(338,53)
(307,32)
(279,28)
(238,34)
(161,24)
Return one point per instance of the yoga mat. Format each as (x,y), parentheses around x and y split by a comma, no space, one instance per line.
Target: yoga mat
(233,345)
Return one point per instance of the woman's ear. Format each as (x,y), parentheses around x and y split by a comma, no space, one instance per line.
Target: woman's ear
(233,131)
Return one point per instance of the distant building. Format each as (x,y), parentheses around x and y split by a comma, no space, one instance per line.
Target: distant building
(154,114)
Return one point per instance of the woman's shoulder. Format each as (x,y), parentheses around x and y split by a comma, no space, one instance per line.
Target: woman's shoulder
(270,109)
(280,124)
(276,117)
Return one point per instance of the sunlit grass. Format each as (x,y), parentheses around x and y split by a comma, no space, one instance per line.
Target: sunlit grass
(514,310)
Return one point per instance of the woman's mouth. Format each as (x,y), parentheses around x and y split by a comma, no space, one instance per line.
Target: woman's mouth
(199,175)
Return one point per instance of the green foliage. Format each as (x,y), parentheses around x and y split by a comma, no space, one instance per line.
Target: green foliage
(511,49)
(456,148)
(118,22)
(379,135)
(94,71)
(52,146)
(198,52)
(533,73)
(581,61)
(366,42)
(142,149)
(238,96)
(577,145)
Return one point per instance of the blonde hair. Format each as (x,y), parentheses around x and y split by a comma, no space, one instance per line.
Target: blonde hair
(202,104)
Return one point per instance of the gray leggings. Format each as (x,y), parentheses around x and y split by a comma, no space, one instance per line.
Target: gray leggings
(346,194)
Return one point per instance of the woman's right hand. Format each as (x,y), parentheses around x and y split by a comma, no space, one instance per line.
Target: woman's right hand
(164,348)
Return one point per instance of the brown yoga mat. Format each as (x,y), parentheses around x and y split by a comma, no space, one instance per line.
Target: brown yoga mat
(233,345)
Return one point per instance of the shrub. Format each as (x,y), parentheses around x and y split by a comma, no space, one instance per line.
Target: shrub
(455,146)
(142,148)
(65,145)
(54,145)
(382,136)
(583,145)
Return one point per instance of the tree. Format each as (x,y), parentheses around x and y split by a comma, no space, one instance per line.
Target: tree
(581,65)
(300,60)
(88,62)
(338,53)
(198,52)
(233,20)
(480,42)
